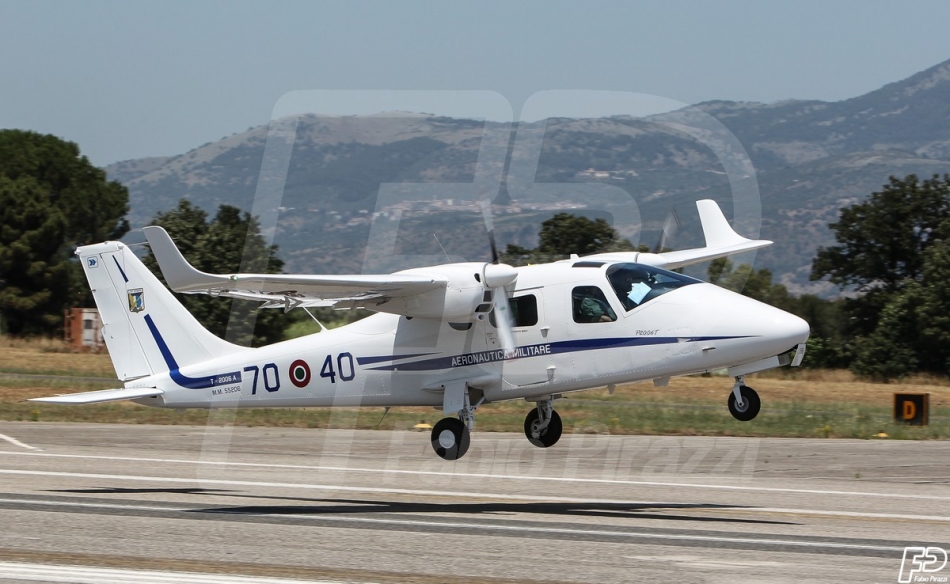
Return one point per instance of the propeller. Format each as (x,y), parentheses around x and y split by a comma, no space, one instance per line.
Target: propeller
(670,227)
(496,277)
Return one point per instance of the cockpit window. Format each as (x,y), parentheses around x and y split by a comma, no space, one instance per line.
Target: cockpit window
(636,284)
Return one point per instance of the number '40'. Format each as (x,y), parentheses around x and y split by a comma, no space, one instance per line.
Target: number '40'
(344,367)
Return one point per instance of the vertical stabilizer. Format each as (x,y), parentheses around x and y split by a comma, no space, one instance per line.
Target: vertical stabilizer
(145,328)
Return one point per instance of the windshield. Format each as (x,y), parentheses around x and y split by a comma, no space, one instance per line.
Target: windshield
(636,284)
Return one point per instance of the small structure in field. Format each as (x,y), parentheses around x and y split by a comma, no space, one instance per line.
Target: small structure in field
(82,329)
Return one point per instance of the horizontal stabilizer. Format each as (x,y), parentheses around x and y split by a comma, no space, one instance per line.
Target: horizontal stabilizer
(101,396)
(721,241)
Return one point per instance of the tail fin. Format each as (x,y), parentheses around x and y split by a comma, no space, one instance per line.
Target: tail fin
(145,328)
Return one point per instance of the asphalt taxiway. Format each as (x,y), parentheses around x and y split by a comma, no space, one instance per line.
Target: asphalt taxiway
(104,503)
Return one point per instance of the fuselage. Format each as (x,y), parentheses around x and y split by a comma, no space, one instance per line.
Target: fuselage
(686,327)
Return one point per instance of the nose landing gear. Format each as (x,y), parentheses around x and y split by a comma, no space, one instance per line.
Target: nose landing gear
(744,403)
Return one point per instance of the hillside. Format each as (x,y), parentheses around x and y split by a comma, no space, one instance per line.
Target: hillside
(810,158)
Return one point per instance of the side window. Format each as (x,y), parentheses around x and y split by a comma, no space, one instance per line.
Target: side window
(590,305)
(524,311)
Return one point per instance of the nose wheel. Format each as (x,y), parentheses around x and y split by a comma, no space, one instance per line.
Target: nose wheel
(744,403)
(542,425)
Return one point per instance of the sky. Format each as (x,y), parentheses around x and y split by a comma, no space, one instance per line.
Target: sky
(132,79)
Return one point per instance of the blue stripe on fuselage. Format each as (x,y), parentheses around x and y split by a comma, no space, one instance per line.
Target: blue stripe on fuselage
(183,380)
(572,346)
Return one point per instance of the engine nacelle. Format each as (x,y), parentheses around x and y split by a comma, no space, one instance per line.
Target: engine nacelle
(465,298)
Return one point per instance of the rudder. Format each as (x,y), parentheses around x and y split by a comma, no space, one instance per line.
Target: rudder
(142,320)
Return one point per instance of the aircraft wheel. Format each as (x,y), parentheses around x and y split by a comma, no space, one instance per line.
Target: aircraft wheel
(450,438)
(549,436)
(750,404)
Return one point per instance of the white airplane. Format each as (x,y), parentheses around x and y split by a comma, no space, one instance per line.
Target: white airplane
(439,337)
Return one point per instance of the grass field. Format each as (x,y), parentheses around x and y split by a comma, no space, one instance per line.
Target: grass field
(795,403)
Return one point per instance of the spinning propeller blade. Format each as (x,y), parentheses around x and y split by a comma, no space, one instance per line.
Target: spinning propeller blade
(670,227)
(497,276)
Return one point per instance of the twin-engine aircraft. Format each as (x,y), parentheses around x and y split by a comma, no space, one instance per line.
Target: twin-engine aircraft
(454,336)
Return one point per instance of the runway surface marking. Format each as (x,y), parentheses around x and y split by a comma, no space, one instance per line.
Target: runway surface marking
(454,525)
(16,442)
(448,494)
(487,475)
(87,575)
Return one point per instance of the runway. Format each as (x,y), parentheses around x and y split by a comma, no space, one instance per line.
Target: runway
(103,503)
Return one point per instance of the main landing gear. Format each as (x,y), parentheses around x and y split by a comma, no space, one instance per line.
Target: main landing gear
(542,425)
(744,402)
(451,437)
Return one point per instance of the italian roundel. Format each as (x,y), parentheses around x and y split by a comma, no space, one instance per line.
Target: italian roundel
(300,373)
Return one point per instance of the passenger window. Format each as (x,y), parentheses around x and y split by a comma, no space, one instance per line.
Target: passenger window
(590,305)
(524,311)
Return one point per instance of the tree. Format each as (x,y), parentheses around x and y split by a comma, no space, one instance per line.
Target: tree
(51,200)
(33,269)
(894,249)
(564,234)
(230,243)
(881,244)
(94,206)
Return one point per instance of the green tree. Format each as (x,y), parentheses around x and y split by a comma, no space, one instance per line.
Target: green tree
(893,250)
(565,234)
(94,206)
(53,199)
(913,330)
(220,246)
(33,269)
(881,244)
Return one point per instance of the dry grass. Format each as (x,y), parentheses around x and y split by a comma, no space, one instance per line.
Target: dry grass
(41,356)
(811,387)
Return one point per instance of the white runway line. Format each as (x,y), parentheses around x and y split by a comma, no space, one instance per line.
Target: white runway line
(16,442)
(93,575)
(491,476)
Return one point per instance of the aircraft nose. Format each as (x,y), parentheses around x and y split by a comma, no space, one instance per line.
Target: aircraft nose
(791,328)
(771,326)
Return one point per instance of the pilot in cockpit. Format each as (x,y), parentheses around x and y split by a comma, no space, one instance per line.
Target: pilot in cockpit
(631,285)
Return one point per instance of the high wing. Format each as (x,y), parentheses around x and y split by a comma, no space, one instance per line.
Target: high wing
(721,241)
(286,290)
(100,396)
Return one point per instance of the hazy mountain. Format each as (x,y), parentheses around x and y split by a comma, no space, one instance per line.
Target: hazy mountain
(810,159)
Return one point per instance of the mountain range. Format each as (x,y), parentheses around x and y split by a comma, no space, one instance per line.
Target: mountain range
(810,158)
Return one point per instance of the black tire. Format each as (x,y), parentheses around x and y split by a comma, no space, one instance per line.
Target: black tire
(450,438)
(549,436)
(750,402)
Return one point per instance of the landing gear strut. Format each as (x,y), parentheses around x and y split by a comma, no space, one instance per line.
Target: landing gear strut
(542,425)
(744,402)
